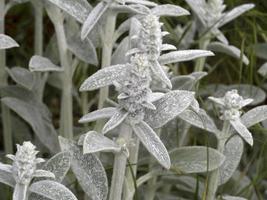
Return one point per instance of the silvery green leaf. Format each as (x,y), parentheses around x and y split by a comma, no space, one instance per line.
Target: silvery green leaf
(168,107)
(93,18)
(52,190)
(123,28)
(42,64)
(183,55)
(219,35)
(7,42)
(142,2)
(7,178)
(88,170)
(227,197)
(22,76)
(79,9)
(155,96)
(200,120)
(152,143)
(242,131)
(195,106)
(233,152)
(229,50)
(157,69)
(59,165)
(84,50)
(104,77)
(5,167)
(198,6)
(118,57)
(169,10)
(98,114)
(43,173)
(254,116)
(199,75)
(219,101)
(132,8)
(167,47)
(96,142)
(196,159)
(261,50)
(236,12)
(183,82)
(117,118)
(263,70)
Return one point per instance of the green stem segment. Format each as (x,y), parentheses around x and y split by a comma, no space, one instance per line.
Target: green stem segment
(6,115)
(119,166)
(203,44)
(20,192)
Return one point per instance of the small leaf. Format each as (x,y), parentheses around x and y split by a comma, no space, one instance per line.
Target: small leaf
(142,2)
(183,55)
(52,190)
(96,142)
(263,70)
(22,76)
(98,114)
(198,6)
(132,8)
(168,47)
(117,118)
(43,173)
(227,197)
(59,165)
(261,50)
(152,143)
(155,96)
(236,12)
(254,116)
(104,77)
(93,18)
(7,42)
(79,9)
(168,107)
(157,69)
(233,152)
(42,64)
(118,57)
(169,10)
(242,130)
(229,50)
(88,170)
(196,159)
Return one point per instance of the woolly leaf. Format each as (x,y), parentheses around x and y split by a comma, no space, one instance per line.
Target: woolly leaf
(7,42)
(96,142)
(98,114)
(168,107)
(58,165)
(142,2)
(7,178)
(155,96)
(169,10)
(183,55)
(198,6)
(42,64)
(254,116)
(233,152)
(88,170)
(236,12)
(22,76)
(263,70)
(219,35)
(227,197)
(93,18)
(116,119)
(104,77)
(242,130)
(118,57)
(229,50)
(152,143)
(167,47)
(195,159)
(79,9)
(132,8)
(39,173)
(159,72)
(52,190)
(84,50)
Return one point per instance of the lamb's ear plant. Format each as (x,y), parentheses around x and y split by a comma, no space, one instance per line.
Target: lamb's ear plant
(24,173)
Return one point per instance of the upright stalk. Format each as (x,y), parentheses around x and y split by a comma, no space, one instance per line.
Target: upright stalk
(6,115)
(119,166)
(107,47)
(203,44)
(214,177)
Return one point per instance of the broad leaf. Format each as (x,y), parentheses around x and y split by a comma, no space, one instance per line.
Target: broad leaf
(168,107)
(39,173)
(96,142)
(88,170)
(6,176)
(42,64)
(197,159)
(79,9)
(229,50)
(104,77)
(157,69)
(169,10)
(242,131)
(183,55)
(254,116)
(116,119)
(118,57)
(98,114)
(7,42)
(52,190)
(152,143)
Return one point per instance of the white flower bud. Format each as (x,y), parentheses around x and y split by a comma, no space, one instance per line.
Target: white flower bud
(233,100)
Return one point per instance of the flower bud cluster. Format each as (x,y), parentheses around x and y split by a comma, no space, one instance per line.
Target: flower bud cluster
(214,11)
(24,163)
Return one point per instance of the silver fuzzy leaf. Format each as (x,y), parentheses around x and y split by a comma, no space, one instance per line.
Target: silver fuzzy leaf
(7,42)
(242,131)
(42,64)
(118,117)
(98,114)
(254,116)
(169,10)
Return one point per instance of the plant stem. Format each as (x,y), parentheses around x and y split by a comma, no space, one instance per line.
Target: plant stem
(20,192)
(119,166)
(6,115)
(107,48)
(214,177)
(203,44)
